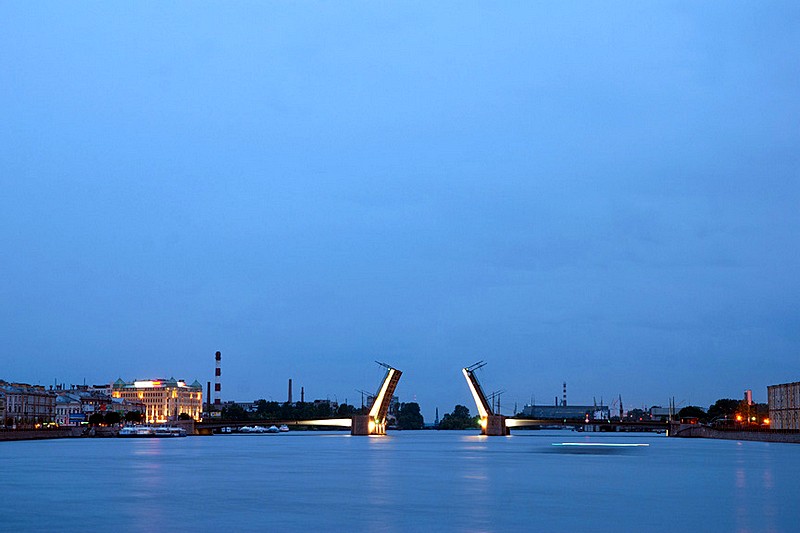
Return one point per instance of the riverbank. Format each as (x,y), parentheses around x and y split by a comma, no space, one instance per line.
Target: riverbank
(39,434)
(696,431)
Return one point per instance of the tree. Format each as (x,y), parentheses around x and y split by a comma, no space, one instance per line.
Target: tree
(111,418)
(410,416)
(752,414)
(345,409)
(267,410)
(637,415)
(184,416)
(133,416)
(458,419)
(232,411)
(723,408)
(96,419)
(692,411)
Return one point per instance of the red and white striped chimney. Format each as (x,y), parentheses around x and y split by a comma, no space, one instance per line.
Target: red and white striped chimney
(217,386)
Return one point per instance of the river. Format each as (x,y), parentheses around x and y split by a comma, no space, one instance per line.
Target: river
(407,481)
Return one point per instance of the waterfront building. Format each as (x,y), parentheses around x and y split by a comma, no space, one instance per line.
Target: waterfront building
(163,399)
(75,406)
(784,405)
(124,406)
(68,409)
(27,405)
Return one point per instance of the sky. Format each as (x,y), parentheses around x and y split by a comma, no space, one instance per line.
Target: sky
(606,194)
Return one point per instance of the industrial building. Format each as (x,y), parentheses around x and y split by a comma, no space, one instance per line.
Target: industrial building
(563,411)
(163,399)
(568,412)
(784,405)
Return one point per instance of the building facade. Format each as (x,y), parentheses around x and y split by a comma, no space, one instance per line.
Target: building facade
(28,406)
(2,407)
(68,410)
(163,399)
(784,406)
(75,406)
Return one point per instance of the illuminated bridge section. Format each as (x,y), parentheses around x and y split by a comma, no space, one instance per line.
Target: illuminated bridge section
(491,424)
(374,423)
(484,410)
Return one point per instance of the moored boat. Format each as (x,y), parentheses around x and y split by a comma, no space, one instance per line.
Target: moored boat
(149,431)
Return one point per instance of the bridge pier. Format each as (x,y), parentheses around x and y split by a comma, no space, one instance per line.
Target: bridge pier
(374,423)
(365,425)
(494,426)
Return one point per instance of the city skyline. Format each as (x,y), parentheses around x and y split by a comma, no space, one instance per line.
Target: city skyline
(602,195)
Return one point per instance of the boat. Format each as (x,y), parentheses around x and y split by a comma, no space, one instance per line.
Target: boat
(273,429)
(136,431)
(284,428)
(169,431)
(149,431)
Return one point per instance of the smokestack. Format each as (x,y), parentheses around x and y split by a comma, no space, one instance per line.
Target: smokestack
(302,395)
(208,396)
(748,396)
(217,386)
(564,400)
(290,391)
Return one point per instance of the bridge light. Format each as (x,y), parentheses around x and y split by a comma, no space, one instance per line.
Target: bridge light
(766,421)
(484,422)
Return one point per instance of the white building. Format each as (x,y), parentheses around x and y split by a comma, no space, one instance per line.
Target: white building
(163,399)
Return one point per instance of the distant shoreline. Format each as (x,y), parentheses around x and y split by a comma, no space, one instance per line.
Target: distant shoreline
(697,431)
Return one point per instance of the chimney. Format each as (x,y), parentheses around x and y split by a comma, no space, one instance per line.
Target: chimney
(290,391)
(217,386)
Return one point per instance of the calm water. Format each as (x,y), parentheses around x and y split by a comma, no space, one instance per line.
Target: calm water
(408,481)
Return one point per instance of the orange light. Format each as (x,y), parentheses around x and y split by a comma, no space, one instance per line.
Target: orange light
(738,418)
(766,421)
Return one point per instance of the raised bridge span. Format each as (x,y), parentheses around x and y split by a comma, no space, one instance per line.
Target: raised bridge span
(493,424)
(372,423)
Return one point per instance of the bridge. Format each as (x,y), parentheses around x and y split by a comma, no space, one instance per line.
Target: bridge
(496,424)
(491,424)
(372,423)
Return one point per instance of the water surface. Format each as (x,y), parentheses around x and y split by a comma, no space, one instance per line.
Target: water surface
(407,481)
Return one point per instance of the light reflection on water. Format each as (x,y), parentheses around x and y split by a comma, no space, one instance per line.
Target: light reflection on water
(407,481)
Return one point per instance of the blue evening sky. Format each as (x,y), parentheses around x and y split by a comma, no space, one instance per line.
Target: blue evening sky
(603,193)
